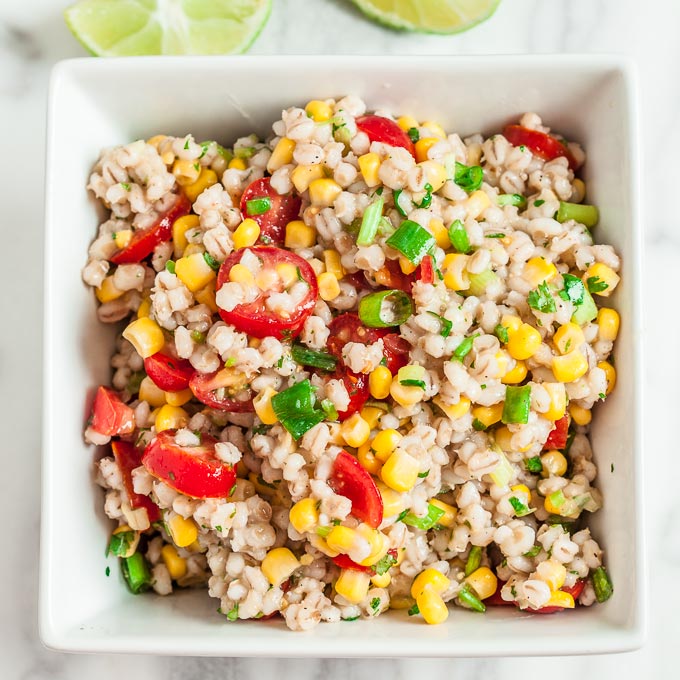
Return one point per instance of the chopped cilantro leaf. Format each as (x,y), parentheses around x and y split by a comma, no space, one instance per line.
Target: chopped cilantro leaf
(541,299)
(596,284)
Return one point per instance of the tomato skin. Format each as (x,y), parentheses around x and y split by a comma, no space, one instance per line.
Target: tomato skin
(496,600)
(110,416)
(129,457)
(254,318)
(380,129)
(425,270)
(144,241)
(349,479)
(284,208)
(396,352)
(557,439)
(168,373)
(356,385)
(539,143)
(203,386)
(345,562)
(194,471)
(575,591)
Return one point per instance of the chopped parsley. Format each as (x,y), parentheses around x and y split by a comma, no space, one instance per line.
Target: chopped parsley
(197,166)
(596,284)
(197,336)
(539,202)
(186,144)
(496,235)
(401,515)
(170,266)
(574,289)
(541,299)
(414,611)
(446,325)
(232,614)
(533,552)
(501,332)
(125,186)
(533,464)
(602,395)
(375,604)
(108,571)
(520,508)
(384,565)
(612,467)
(422,475)
(478,425)
(211,261)
(413,134)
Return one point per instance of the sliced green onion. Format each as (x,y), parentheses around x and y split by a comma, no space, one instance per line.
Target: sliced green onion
(446,325)
(533,464)
(520,508)
(412,376)
(314,358)
(414,611)
(459,237)
(533,552)
(412,241)
(323,531)
(587,215)
(602,584)
(211,261)
(370,222)
(468,178)
(232,614)
(402,203)
(573,289)
(474,560)
(503,472)
(245,152)
(295,408)
(557,499)
(434,514)
(329,409)
(385,308)
(480,282)
(501,332)
(469,598)
(427,198)
(383,566)
(414,134)
(478,425)
(170,266)
(464,348)
(385,227)
(498,234)
(586,311)
(136,573)
(511,199)
(121,544)
(258,206)
(517,404)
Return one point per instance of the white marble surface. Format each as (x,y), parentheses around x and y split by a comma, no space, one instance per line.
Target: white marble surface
(33,37)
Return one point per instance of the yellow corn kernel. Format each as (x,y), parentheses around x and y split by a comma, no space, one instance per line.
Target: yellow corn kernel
(239,273)
(192,249)
(488,415)
(318,111)
(448,519)
(332,262)
(379,382)
(393,502)
(323,192)
(176,565)
(170,418)
(477,202)
(194,272)
(281,155)
(278,565)
(602,274)
(329,288)
(246,234)
(524,342)
(568,337)
(538,270)
(440,233)
(569,367)
(483,581)
(155,140)
(407,122)
(355,431)
(511,323)
(580,415)
(435,128)
(552,573)
(384,443)
(502,436)
(179,398)
(320,544)
(550,507)
(262,404)
(343,539)
(182,531)
(502,361)
(521,489)
(108,291)
(401,602)
(353,585)
(306,559)
(367,459)
(304,175)
(379,543)
(554,464)
(151,393)
(435,174)
(400,472)
(206,296)
(185,171)
(381,580)
(123,238)
(369,164)
(423,147)
(146,336)
(454,411)
(405,395)
(558,401)
(144,308)
(608,322)
(610,373)
(516,374)
(560,598)
(429,578)
(432,608)
(179,229)
(455,272)
(304,516)
(237,164)
(407,267)
(206,179)
(300,235)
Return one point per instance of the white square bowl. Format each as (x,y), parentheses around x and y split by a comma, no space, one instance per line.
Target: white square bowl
(97,103)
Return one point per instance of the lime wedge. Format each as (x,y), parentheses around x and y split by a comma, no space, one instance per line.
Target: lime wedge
(428,16)
(118,28)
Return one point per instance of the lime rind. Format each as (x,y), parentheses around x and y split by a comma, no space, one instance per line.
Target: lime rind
(398,19)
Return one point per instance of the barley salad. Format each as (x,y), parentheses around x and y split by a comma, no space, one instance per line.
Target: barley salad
(358,367)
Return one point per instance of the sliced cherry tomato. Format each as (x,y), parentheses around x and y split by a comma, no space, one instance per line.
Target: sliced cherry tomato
(255,318)
(194,471)
(539,143)
(575,591)
(143,241)
(356,385)
(425,270)
(345,562)
(349,479)
(496,600)
(380,129)
(557,439)
(391,276)
(128,458)
(168,373)
(284,208)
(110,416)
(396,352)
(220,390)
